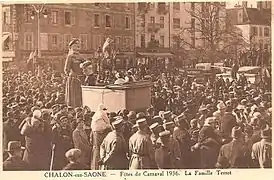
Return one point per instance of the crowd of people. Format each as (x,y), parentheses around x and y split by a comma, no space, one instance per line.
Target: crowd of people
(255,57)
(217,123)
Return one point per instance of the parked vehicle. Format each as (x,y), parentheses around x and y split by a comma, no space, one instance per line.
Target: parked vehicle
(252,73)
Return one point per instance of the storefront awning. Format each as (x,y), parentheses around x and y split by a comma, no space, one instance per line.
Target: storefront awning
(5,36)
(156,54)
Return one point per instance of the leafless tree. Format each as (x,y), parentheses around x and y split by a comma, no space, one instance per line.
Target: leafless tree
(210,25)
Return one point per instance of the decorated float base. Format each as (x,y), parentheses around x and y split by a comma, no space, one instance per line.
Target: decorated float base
(134,96)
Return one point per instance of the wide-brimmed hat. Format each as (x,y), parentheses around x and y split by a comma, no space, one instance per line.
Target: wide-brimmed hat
(141,122)
(167,114)
(164,134)
(154,126)
(119,122)
(168,124)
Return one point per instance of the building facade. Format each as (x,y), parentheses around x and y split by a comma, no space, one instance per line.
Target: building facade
(152,23)
(171,23)
(255,24)
(91,23)
(250,4)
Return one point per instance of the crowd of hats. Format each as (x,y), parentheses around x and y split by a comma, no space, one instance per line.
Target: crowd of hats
(170,92)
(176,99)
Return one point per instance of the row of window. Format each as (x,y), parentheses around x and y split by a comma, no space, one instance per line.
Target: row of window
(176,22)
(57,41)
(109,22)
(152,20)
(260,31)
(152,38)
(175,44)
(69,19)
(261,45)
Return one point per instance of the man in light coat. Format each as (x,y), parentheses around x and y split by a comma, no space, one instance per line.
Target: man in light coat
(141,152)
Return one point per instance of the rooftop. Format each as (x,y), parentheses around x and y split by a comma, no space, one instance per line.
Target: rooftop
(250,16)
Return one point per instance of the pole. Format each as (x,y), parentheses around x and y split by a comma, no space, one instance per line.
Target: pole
(169,25)
(38,34)
(52,157)
(134,33)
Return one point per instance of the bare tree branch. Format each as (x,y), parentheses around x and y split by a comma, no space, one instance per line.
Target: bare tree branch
(213,27)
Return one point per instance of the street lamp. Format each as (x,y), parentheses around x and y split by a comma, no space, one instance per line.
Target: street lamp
(38,10)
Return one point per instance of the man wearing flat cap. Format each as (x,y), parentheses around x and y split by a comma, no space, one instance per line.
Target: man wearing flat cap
(14,161)
(74,73)
(233,154)
(262,150)
(113,150)
(141,152)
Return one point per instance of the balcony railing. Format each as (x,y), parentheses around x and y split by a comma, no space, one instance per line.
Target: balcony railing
(153,27)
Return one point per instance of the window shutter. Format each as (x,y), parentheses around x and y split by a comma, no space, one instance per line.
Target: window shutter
(103,21)
(92,40)
(65,42)
(60,42)
(73,16)
(112,23)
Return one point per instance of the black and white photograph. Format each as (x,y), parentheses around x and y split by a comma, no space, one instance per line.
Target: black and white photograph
(136,85)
